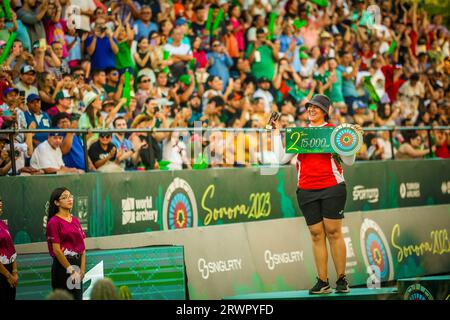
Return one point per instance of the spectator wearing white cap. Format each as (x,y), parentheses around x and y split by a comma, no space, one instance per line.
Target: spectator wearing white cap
(91,118)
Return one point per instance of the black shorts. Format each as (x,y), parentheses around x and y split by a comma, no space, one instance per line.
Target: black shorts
(322,203)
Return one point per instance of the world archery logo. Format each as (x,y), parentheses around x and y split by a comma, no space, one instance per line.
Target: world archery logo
(179,207)
(417,292)
(375,249)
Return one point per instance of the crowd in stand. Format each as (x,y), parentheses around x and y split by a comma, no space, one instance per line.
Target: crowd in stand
(99,64)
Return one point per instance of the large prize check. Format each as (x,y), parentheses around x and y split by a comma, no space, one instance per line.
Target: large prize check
(343,140)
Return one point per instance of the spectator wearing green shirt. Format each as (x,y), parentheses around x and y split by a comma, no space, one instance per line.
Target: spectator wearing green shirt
(323,77)
(336,95)
(91,118)
(125,36)
(262,55)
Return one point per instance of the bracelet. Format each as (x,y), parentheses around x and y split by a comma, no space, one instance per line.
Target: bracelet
(14,271)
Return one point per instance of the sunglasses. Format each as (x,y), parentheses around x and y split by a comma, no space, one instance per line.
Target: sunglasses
(105,136)
(145,81)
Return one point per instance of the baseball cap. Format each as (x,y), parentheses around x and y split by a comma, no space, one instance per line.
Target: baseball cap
(55,134)
(27,68)
(358,104)
(263,79)
(62,95)
(10,89)
(180,22)
(32,97)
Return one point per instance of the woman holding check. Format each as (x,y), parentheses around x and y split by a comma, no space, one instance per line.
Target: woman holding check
(65,239)
(321,195)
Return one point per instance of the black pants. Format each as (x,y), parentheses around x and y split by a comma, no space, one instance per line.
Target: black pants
(6,292)
(60,277)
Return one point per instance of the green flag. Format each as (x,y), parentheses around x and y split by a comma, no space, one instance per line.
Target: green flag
(126,93)
(320,3)
(7,9)
(200,163)
(371,90)
(300,23)
(217,21)
(392,47)
(8,46)
(271,27)
(208,21)
(166,55)
(373,107)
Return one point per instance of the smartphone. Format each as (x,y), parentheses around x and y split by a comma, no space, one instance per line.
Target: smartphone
(21,93)
(42,44)
(109,11)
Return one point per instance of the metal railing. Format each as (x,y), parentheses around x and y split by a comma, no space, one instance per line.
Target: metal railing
(84,132)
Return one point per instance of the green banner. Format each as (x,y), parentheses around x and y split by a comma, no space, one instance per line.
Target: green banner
(123,203)
(152,273)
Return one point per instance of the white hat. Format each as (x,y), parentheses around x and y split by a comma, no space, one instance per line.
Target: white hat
(89,97)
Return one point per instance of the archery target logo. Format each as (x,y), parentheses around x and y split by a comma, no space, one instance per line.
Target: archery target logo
(375,249)
(345,140)
(417,292)
(179,206)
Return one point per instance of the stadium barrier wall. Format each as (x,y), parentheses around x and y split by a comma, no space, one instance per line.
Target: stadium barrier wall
(124,203)
(140,273)
(275,255)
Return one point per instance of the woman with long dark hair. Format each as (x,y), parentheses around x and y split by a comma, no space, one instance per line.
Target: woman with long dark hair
(65,239)
(321,195)
(8,266)
(91,118)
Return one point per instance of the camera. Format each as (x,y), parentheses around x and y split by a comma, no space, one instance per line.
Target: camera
(102,29)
